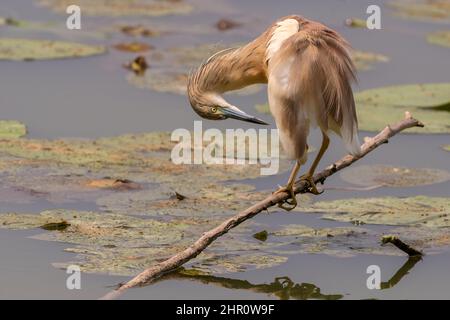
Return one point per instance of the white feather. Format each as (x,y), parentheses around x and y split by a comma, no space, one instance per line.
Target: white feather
(284,29)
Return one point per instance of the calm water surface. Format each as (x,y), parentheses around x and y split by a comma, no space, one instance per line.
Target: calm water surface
(91,98)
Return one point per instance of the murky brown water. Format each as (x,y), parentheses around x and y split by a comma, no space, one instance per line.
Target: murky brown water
(91,98)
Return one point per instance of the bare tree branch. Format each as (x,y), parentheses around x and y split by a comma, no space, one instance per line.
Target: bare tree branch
(154,272)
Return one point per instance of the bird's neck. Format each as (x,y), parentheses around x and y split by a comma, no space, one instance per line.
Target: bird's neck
(234,69)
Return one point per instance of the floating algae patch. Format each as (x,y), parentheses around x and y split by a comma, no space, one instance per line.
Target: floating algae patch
(351,241)
(364,60)
(337,242)
(376,108)
(430,239)
(144,219)
(126,174)
(32,49)
(412,211)
(207,201)
(428,10)
(122,7)
(441,38)
(125,245)
(108,242)
(12,129)
(57,185)
(391,176)
(100,152)
(133,47)
(238,263)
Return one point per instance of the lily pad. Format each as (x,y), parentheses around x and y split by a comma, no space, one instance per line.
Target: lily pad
(28,49)
(412,211)
(122,7)
(428,10)
(441,38)
(391,176)
(378,107)
(12,129)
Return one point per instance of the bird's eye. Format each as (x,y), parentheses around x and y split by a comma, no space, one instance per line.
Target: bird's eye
(213,109)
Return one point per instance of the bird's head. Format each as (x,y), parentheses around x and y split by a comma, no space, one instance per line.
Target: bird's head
(212,106)
(205,88)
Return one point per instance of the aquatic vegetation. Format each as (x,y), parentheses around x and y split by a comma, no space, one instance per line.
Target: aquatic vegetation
(31,49)
(139,65)
(364,60)
(261,236)
(432,212)
(149,208)
(68,170)
(133,47)
(441,38)
(390,176)
(378,107)
(122,244)
(12,129)
(122,7)
(429,10)
(8,21)
(139,31)
(206,201)
(356,23)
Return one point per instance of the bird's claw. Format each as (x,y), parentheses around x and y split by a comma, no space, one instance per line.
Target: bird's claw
(312,185)
(288,204)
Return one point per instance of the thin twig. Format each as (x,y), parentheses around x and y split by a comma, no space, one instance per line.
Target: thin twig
(154,272)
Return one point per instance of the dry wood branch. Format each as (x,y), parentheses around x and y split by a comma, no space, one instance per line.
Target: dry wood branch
(151,274)
(410,251)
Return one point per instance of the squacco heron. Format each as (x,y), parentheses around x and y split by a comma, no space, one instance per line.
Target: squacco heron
(309,73)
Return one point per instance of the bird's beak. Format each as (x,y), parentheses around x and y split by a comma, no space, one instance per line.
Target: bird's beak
(236,113)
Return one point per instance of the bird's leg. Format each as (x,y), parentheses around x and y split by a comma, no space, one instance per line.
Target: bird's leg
(309,175)
(289,188)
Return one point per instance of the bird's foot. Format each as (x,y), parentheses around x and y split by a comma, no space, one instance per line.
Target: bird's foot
(312,185)
(290,203)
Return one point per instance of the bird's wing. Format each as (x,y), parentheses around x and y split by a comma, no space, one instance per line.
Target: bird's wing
(321,72)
